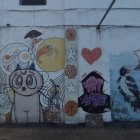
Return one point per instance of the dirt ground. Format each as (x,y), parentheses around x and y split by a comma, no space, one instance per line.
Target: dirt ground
(69,132)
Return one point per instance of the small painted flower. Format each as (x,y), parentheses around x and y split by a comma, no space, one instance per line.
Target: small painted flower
(71,34)
(71,71)
(71,108)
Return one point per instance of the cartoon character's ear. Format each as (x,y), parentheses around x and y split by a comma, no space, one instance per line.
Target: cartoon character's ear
(32,67)
(18,67)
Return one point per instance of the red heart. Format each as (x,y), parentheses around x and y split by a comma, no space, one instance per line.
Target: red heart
(91,56)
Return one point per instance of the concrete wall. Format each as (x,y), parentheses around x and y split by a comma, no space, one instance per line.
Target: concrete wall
(120,48)
(75,13)
(80,56)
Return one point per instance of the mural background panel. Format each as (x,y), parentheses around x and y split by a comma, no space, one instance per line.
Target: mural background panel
(24,98)
(123,54)
(92,59)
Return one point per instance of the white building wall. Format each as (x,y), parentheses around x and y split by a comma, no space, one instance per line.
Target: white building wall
(119,34)
(69,12)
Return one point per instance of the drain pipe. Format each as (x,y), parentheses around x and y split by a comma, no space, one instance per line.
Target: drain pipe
(109,8)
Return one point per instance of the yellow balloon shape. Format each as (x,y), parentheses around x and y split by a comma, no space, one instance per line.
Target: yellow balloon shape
(51,54)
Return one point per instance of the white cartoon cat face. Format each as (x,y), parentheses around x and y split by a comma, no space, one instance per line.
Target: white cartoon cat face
(26,82)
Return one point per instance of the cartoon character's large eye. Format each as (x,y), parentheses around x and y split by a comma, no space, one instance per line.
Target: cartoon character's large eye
(49,47)
(31,81)
(17,81)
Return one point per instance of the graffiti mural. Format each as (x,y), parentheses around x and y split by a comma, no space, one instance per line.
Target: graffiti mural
(50,58)
(71,75)
(71,108)
(94,100)
(128,87)
(51,50)
(32,79)
(125,87)
(34,35)
(91,56)
(52,99)
(26,84)
(16,53)
(5,99)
